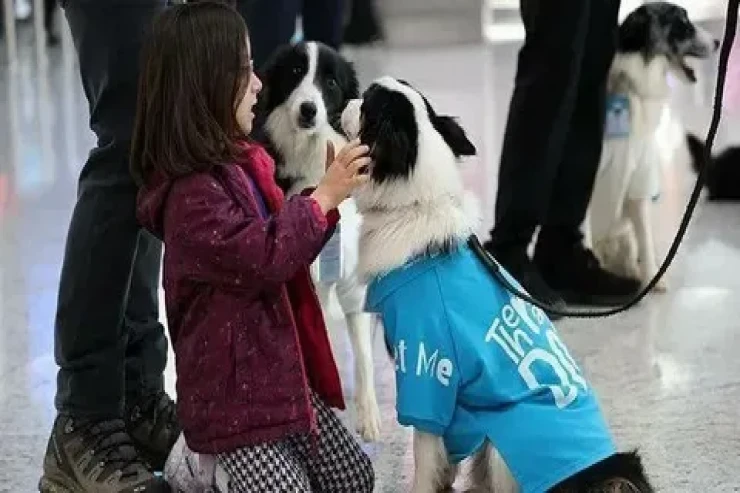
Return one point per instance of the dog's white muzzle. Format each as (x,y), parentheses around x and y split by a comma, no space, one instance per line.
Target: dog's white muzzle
(351,119)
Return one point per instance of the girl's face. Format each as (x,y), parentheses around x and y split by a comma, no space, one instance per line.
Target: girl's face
(244,108)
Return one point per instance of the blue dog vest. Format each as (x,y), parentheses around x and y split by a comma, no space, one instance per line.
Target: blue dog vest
(475,363)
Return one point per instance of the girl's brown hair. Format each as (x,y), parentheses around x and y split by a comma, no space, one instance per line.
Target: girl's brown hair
(195,67)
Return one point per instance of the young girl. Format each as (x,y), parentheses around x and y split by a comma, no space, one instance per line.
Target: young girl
(255,372)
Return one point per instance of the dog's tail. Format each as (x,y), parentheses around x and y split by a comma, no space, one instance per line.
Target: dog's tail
(697,148)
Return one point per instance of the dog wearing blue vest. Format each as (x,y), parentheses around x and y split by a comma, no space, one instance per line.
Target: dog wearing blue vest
(480,374)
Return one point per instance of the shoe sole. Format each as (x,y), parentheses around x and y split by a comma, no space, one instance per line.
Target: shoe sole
(48,485)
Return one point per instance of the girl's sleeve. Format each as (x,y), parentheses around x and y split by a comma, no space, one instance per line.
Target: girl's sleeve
(332,218)
(220,242)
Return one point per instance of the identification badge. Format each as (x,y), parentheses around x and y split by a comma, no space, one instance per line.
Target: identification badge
(330,258)
(617,116)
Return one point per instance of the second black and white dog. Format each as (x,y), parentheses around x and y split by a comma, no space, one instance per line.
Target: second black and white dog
(306,88)
(654,40)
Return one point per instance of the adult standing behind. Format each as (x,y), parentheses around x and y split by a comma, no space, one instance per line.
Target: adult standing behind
(551,151)
(272,23)
(115,422)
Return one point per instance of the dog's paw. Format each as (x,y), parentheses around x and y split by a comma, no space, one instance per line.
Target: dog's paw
(368,418)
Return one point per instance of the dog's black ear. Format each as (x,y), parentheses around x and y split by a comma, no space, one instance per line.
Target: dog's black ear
(635,32)
(393,152)
(454,135)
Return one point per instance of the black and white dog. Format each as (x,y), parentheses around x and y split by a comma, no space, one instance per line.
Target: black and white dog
(654,40)
(306,88)
(474,363)
(723,176)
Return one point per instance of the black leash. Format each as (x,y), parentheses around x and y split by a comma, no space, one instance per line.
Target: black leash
(724,55)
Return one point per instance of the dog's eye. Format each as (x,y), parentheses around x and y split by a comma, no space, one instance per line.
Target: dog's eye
(332,83)
(297,70)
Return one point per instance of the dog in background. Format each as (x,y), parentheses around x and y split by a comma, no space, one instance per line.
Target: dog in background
(306,87)
(475,365)
(654,40)
(723,176)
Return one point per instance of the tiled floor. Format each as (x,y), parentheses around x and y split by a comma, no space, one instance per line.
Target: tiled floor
(667,372)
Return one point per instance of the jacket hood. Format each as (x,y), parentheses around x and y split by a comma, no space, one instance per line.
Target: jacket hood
(151,202)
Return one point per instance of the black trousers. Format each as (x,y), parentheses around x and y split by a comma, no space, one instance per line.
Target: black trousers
(272,23)
(50,7)
(553,138)
(109,343)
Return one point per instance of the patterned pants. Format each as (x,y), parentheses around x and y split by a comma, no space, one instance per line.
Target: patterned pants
(336,465)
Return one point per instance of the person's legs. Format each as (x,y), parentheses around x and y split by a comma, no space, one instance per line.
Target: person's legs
(578,162)
(268,468)
(364,24)
(322,21)
(146,351)
(560,256)
(271,24)
(541,108)
(150,413)
(90,449)
(50,8)
(335,463)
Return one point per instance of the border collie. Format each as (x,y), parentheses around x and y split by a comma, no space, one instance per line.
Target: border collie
(306,87)
(475,365)
(655,39)
(723,176)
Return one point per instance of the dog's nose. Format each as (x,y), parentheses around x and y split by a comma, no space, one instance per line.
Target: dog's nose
(308,111)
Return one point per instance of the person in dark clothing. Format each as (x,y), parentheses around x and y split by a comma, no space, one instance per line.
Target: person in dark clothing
(272,23)
(551,151)
(50,9)
(115,423)
(364,25)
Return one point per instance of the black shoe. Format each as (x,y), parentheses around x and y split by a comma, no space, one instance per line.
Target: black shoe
(518,264)
(576,274)
(95,456)
(152,424)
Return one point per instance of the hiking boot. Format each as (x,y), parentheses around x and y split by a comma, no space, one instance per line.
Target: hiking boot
(576,274)
(95,456)
(517,263)
(152,424)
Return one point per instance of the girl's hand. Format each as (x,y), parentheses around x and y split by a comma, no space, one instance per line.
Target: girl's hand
(343,174)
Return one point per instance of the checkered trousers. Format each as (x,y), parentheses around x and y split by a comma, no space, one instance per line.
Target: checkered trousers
(337,465)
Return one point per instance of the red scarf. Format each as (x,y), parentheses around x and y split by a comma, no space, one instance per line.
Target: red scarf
(313,338)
